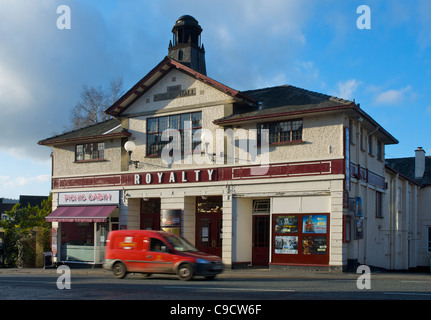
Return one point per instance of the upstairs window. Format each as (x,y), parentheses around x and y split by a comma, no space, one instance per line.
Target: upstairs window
(370,145)
(379,204)
(379,150)
(187,124)
(90,151)
(282,131)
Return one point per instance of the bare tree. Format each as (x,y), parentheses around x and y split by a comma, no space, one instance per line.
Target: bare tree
(90,109)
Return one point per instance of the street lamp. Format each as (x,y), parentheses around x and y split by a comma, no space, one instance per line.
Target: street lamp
(130,147)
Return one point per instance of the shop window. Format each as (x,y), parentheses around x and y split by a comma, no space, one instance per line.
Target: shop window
(282,131)
(261,206)
(90,151)
(301,239)
(187,124)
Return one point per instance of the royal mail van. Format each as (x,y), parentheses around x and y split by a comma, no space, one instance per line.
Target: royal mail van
(148,252)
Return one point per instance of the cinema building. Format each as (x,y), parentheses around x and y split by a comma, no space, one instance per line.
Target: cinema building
(278,176)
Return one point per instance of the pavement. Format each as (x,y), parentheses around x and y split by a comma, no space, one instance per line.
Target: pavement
(245,273)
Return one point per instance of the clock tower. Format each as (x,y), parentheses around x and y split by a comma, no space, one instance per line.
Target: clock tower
(186,47)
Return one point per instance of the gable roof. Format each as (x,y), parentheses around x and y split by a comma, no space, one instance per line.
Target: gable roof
(166,65)
(287,100)
(406,166)
(102,130)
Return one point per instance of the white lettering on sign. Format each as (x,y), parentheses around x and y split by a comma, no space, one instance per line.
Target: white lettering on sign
(148,178)
(89,198)
(174,177)
(160,175)
(210,174)
(137,179)
(197,174)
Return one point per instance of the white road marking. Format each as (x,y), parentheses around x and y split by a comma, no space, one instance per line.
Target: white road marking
(230,289)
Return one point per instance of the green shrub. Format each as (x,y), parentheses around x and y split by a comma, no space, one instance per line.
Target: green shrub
(19,234)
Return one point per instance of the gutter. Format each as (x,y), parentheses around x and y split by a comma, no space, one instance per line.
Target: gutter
(86,138)
(280,114)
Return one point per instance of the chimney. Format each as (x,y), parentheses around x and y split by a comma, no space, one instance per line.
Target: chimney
(419,163)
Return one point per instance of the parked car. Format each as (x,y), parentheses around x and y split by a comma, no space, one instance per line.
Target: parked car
(149,252)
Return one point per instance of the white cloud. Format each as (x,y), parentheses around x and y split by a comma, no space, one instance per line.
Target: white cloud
(7,182)
(346,89)
(394,97)
(14,96)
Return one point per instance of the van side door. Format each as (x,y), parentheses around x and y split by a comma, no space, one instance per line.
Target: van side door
(158,257)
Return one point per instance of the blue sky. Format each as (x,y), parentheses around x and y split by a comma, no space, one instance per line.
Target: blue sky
(249,44)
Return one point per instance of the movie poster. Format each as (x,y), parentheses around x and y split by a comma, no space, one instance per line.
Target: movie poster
(358,208)
(314,224)
(314,245)
(286,224)
(286,244)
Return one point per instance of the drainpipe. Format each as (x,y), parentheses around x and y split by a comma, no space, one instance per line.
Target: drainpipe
(52,167)
(366,197)
(393,211)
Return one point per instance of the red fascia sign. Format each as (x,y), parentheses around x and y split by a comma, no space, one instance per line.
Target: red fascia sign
(175,176)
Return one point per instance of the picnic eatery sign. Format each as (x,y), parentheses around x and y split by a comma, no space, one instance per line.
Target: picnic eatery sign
(88,198)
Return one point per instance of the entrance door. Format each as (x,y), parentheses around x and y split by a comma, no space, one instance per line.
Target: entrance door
(150,214)
(209,225)
(260,253)
(208,233)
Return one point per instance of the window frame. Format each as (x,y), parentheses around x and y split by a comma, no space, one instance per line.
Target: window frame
(379,152)
(370,145)
(179,126)
(96,148)
(379,204)
(261,206)
(280,140)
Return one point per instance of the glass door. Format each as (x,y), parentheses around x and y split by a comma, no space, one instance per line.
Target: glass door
(209,225)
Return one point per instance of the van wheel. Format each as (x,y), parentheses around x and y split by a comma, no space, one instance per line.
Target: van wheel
(185,272)
(119,270)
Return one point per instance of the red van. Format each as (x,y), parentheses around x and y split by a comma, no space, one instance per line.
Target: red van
(148,251)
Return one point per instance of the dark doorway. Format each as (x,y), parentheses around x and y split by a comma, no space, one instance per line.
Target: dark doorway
(150,214)
(209,221)
(260,253)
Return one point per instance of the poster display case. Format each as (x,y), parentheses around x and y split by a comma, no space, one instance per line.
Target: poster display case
(300,239)
(170,220)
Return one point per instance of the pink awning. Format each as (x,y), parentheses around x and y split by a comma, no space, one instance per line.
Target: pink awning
(81,214)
